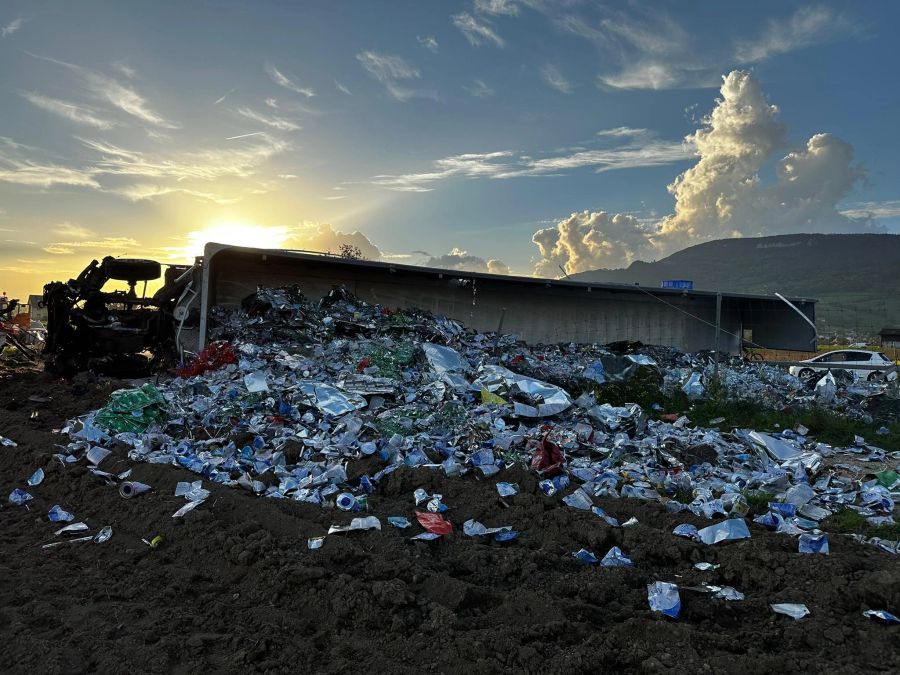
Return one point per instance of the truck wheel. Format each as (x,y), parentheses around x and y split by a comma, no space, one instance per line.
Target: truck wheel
(132,269)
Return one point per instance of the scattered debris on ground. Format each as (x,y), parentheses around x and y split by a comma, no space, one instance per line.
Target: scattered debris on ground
(324,470)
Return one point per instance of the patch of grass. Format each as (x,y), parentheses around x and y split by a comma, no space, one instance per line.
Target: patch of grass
(758,501)
(824,425)
(849,521)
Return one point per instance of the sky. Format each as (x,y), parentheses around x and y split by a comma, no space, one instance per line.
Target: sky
(522,136)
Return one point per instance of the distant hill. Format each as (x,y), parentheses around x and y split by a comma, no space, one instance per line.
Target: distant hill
(856,277)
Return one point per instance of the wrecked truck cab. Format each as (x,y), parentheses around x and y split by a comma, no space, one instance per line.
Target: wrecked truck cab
(118,332)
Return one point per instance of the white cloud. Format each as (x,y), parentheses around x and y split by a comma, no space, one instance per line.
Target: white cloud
(240,161)
(479,89)
(224,96)
(35,173)
(806,27)
(619,132)
(324,238)
(109,245)
(146,191)
(643,150)
(393,72)
(469,165)
(650,153)
(721,195)
(125,69)
(283,80)
(70,111)
(476,32)
(270,121)
(461,260)
(428,41)
(11,27)
(507,7)
(552,76)
(111,90)
(885,209)
(586,241)
(341,88)
(74,231)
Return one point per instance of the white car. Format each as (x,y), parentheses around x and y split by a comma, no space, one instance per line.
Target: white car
(847,359)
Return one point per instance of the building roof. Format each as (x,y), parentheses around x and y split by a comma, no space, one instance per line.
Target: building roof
(889,331)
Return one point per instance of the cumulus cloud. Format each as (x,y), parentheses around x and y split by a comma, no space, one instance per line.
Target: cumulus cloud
(394,73)
(587,240)
(323,238)
(477,32)
(721,195)
(464,261)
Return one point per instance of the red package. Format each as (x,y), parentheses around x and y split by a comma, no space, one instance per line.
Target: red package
(214,356)
(434,522)
(548,459)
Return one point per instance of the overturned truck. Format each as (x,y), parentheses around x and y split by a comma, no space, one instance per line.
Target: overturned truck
(92,328)
(118,331)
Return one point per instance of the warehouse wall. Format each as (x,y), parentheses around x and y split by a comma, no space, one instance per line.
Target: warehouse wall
(536,311)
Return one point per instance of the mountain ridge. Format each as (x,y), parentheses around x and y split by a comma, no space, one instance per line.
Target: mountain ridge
(854,276)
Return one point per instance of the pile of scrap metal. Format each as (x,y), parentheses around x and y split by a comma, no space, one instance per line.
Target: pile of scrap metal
(119,332)
(15,333)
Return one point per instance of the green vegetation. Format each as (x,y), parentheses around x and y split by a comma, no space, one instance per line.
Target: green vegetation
(758,501)
(824,425)
(848,521)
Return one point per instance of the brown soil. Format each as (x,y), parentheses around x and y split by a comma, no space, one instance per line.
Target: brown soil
(234,588)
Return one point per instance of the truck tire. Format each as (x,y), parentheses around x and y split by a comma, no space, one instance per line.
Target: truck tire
(132,269)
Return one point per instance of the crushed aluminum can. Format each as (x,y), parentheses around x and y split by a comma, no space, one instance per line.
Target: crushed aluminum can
(615,558)
(705,566)
(19,497)
(881,614)
(663,597)
(57,514)
(367,523)
(103,535)
(346,502)
(585,556)
(399,522)
(811,543)
(507,489)
(793,610)
(130,489)
(728,530)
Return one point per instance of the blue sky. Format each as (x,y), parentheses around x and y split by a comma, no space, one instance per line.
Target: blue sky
(433,128)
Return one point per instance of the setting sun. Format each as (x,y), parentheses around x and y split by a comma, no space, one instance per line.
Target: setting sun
(237,233)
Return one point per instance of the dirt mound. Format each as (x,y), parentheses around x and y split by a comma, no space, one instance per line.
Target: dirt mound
(234,587)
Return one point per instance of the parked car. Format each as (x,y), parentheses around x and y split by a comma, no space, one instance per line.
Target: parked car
(847,359)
